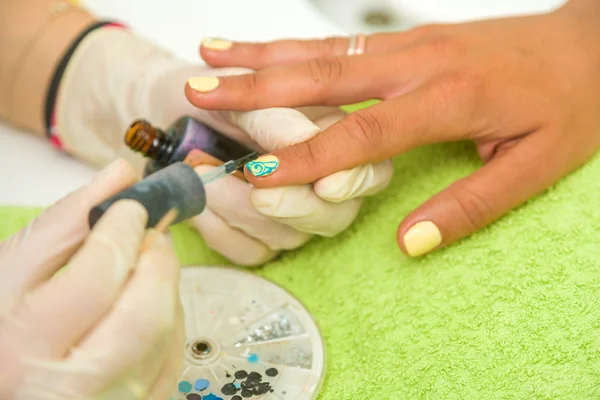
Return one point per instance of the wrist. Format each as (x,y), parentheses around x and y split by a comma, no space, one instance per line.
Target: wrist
(26,88)
(109,81)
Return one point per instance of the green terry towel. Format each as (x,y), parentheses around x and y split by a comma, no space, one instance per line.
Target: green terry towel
(512,312)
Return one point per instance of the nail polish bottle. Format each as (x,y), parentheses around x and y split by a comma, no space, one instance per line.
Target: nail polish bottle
(164,148)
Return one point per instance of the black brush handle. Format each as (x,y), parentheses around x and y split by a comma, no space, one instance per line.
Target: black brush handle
(176,186)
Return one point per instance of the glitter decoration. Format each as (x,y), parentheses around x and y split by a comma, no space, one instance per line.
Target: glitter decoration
(241,374)
(280,327)
(263,343)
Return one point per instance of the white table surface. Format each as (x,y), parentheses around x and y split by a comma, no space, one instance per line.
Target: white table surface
(33,173)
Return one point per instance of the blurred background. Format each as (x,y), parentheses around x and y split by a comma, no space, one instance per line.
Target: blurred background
(33,173)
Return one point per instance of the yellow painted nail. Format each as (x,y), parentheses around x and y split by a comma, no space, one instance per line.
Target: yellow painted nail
(421,238)
(204,83)
(263,166)
(217,44)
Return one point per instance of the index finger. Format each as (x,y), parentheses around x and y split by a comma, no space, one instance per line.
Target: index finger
(321,81)
(370,135)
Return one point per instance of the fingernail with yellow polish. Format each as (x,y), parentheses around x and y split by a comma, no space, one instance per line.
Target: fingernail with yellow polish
(204,83)
(263,166)
(216,44)
(421,238)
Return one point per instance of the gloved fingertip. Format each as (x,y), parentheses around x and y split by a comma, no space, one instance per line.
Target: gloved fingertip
(116,172)
(128,210)
(159,242)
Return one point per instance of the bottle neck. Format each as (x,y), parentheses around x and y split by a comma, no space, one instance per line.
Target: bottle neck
(150,141)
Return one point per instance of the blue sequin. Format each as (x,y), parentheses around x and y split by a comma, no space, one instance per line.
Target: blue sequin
(201,384)
(185,387)
(211,396)
(253,358)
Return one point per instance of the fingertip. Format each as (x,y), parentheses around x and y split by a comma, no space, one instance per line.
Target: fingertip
(260,172)
(417,237)
(197,99)
(214,44)
(257,181)
(215,54)
(127,209)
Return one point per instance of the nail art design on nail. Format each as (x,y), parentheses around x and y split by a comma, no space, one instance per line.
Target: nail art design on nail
(263,166)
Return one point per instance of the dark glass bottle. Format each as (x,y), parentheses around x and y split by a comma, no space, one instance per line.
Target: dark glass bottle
(164,148)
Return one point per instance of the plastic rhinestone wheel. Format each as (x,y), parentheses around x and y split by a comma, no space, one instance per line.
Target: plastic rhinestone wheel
(246,338)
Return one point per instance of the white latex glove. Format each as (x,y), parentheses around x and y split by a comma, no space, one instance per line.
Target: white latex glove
(110,326)
(115,77)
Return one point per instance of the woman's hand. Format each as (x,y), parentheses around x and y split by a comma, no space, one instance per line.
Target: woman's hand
(110,326)
(525,90)
(115,77)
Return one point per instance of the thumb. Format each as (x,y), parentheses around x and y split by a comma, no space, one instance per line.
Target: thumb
(471,203)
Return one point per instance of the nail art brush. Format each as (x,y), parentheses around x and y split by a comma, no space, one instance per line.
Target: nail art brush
(177,187)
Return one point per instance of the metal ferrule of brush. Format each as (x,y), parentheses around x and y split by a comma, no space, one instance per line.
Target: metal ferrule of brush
(174,187)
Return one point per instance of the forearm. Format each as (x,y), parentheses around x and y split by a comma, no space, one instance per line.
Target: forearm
(33,38)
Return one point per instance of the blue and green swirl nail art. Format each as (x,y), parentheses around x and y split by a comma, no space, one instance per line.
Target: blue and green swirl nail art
(263,166)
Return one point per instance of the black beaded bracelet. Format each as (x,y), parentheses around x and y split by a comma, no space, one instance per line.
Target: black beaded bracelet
(51,94)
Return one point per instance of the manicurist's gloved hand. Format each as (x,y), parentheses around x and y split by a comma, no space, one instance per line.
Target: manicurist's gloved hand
(109,326)
(115,77)
(526,90)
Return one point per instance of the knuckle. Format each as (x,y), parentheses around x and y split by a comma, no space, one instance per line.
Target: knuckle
(475,207)
(252,85)
(441,45)
(310,153)
(251,82)
(364,128)
(325,69)
(325,46)
(262,50)
(463,86)
(426,30)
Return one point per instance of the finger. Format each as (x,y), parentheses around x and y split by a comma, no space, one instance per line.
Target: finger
(171,370)
(473,202)
(45,245)
(300,208)
(229,198)
(274,128)
(235,245)
(123,353)
(221,53)
(324,81)
(374,134)
(364,180)
(65,308)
